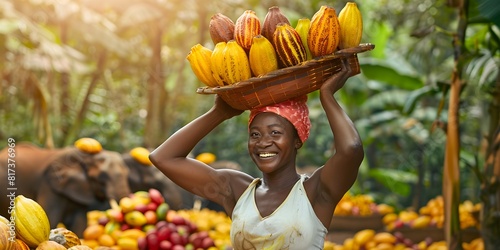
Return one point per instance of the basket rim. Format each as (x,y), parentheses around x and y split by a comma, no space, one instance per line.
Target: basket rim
(288,70)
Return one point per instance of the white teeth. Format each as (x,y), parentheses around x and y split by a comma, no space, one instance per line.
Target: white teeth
(266,155)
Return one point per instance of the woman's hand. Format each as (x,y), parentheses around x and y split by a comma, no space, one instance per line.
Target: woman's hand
(224,108)
(337,81)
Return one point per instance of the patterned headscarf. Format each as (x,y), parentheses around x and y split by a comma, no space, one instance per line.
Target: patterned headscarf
(295,111)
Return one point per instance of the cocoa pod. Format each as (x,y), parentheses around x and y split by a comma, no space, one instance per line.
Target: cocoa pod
(221,28)
(246,27)
(324,32)
(288,45)
(271,20)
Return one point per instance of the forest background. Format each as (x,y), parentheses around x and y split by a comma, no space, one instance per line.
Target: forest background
(116,70)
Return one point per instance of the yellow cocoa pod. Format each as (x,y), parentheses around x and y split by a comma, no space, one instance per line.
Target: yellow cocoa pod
(302,28)
(246,27)
(88,145)
(32,223)
(363,236)
(324,32)
(199,60)
(262,56)
(235,63)
(384,237)
(141,155)
(217,63)
(422,221)
(93,232)
(127,244)
(351,26)
(288,45)
(221,28)
(133,234)
(135,219)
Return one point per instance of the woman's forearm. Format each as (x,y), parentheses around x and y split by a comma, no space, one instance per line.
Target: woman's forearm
(182,142)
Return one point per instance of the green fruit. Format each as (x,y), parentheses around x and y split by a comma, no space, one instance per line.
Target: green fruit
(161,211)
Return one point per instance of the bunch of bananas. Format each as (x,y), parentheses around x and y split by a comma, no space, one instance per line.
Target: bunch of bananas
(246,48)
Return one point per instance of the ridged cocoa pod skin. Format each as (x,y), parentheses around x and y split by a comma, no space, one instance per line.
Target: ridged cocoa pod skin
(246,27)
(221,28)
(288,45)
(351,26)
(324,33)
(272,18)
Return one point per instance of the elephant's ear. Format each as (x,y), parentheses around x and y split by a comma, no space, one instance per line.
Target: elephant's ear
(67,175)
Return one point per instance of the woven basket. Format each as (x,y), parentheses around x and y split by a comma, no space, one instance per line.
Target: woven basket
(287,83)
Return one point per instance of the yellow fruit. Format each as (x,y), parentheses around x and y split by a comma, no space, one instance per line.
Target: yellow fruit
(384,209)
(235,63)
(199,60)
(206,157)
(135,219)
(133,234)
(221,28)
(246,27)
(93,232)
(384,237)
(64,237)
(50,245)
(288,45)
(90,243)
(217,63)
(106,240)
(421,222)
(389,218)
(88,145)
(351,26)
(363,236)
(127,244)
(262,56)
(127,204)
(141,155)
(324,32)
(31,222)
(302,28)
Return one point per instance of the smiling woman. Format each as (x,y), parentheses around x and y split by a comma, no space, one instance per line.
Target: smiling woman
(282,209)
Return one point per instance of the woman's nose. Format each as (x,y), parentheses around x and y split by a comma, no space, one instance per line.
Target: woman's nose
(265,141)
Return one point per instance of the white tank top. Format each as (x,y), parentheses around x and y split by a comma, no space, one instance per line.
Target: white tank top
(292,226)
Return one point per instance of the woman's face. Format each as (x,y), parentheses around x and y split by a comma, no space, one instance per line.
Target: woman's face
(272,142)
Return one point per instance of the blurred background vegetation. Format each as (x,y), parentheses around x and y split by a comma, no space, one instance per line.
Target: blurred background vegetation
(115,70)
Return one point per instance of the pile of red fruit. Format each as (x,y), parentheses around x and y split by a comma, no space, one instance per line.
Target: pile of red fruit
(178,234)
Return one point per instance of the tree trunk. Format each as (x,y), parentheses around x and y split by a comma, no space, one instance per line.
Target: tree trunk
(451,173)
(490,188)
(155,90)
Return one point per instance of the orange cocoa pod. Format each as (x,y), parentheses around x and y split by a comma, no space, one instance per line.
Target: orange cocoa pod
(324,32)
(221,28)
(246,27)
(273,17)
(50,245)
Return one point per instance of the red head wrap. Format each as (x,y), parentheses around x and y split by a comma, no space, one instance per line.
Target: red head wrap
(295,111)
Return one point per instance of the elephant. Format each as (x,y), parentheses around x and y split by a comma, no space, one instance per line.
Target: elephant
(143,177)
(66,182)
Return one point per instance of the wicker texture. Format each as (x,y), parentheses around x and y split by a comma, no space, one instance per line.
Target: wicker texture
(287,83)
